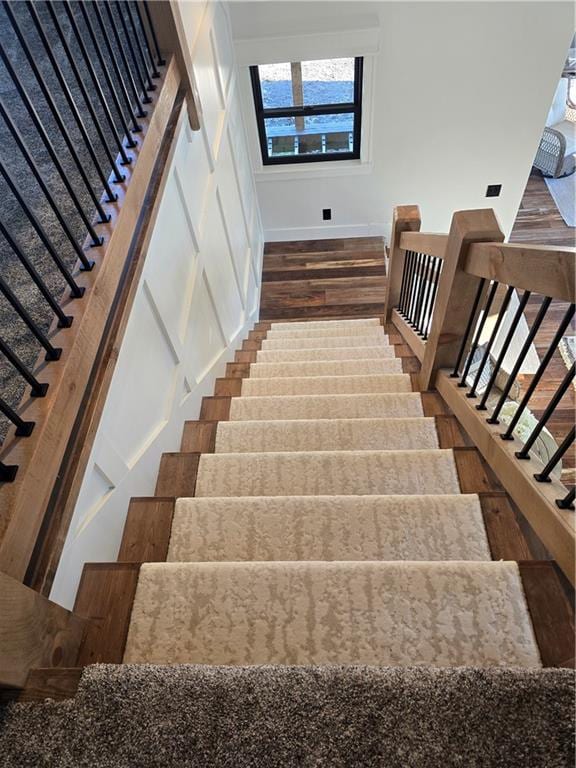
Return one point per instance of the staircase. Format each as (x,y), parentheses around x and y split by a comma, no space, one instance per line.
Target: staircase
(333,585)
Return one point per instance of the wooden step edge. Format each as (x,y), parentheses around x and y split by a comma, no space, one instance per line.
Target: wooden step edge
(271,275)
(237,370)
(147,530)
(105,596)
(551,612)
(57,683)
(177,474)
(229,387)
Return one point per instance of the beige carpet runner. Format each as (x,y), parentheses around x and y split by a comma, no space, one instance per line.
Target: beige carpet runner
(328,527)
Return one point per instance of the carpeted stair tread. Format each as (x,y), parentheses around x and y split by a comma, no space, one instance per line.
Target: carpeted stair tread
(326,342)
(328,385)
(328,528)
(326,435)
(375,331)
(386,613)
(331,353)
(326,368)
(278,716)
(311,473)
(314,324)
(360,406)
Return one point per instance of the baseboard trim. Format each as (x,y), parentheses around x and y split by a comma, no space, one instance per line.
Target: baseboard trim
(327,232)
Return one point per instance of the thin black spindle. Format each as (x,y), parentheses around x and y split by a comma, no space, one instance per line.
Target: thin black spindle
(136,127)
(491,340)
(64,320)
(150,85)
(23,428)
(38,389)
(520,359)
(404,281)
(130,142)
(424,286)
(77,291)
(413,288)
(426,298)
(475,343)
(159,60)
(544,476)
(145,97)
(409,281)
(155,72)
(118,176)
(49,146)
(505,346)
(8,472)
(550,408)
(140,111)
(126,160)
(52,353)
(568,501)
(470,323)
(435,283)
(567,319)
(55,112)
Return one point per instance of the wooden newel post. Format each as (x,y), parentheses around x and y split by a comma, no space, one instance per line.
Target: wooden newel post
(406,218)
(456,291)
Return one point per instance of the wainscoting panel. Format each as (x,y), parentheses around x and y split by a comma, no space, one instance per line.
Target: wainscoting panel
(197,298)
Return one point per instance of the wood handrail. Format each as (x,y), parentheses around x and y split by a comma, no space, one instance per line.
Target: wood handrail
(424,242)
(547,271)
(23,503)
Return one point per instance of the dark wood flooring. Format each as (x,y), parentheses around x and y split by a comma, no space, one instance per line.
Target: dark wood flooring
(539,222)
(323,279)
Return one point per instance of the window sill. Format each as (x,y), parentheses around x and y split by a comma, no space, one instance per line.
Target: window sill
(297,172)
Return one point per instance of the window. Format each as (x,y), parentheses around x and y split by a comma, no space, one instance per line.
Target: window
(308,111)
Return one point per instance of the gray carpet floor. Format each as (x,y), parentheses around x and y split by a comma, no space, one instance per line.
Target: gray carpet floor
(12,329)
(331,716)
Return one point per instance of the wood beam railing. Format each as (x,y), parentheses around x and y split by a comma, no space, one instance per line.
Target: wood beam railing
(473,343)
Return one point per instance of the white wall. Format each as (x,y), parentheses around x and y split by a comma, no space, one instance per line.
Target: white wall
(198,294)
(461,94)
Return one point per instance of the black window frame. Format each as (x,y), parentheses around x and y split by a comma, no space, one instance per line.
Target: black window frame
(354,107)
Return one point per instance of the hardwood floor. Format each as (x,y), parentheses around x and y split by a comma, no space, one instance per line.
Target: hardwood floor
(323,279)
(539,222)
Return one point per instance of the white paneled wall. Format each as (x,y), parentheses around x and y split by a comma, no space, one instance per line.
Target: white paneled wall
(197,297)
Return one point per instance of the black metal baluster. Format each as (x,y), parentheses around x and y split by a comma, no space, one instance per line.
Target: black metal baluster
(130,143)
(38,389)
(118,177)
(151,86)
(140,111)
(52,353)
(126,160)
(160,60)
(435,283)
(64,321)
(544,476)
(413,288)
(539,373)
(509,336)
(77,291)
(426,298)
(425,284)
(136,127)
(155,72)
(417,287)
(409,282)
(518,364)
(491,341)
(145,98)
(404,282)
(49,146)
(482,323)
(23,428)
(110,196)
(55,112)
(470,323)
(87,263)
(568,501)
(8,472)
(550,408)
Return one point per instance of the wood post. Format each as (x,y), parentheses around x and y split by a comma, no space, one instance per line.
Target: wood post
(456,290)
(406,218)
(34,632)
